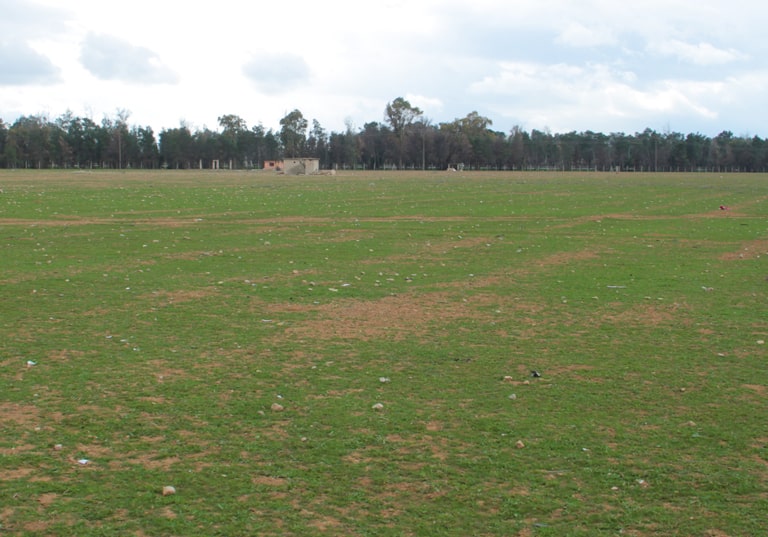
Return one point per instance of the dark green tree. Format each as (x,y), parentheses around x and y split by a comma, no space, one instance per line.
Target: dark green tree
(343,149)
(293,133)
(147,146)
(401,114)
(29,142)
(3,140)
(177,147)
(372,142)
(233,129)
(317,143)
(271,145)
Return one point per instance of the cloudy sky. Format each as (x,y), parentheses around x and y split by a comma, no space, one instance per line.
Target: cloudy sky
(562,65)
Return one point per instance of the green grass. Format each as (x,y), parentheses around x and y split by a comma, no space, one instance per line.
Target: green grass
(166,312)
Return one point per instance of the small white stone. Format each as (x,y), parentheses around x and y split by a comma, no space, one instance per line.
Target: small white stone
(378,407)
(168,490)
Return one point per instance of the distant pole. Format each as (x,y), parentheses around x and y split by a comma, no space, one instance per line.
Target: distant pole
(423,153)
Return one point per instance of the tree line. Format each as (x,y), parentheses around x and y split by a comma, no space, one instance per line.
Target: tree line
(405,139)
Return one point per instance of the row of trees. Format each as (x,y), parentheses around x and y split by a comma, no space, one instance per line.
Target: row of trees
(405,139)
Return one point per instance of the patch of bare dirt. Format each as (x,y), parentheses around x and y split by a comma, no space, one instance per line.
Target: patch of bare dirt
(163,373)
(757,388)
(36,527)
(645,315)
(148,461)
(46,500)
(748,250)
(64,355)
(269,481)
(92,452)
(23,415)
(17,473)
(395,317)
(434,426)
(565,258)
(408,315)
(168,298)
(167,512)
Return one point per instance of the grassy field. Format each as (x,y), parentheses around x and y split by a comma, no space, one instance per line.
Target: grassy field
(352,355)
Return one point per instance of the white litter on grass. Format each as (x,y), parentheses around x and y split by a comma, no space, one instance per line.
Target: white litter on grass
(30,363)
(83,462)
(384,380)
(378,407)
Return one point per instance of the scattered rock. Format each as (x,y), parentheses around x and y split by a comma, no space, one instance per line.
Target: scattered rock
(760,342)
(277,407)
(378,407)
(519,444)
(384,380)
(513,396)
(168,490)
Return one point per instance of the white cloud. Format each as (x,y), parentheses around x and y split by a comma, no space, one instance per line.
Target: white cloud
(703,54)
(277,72)
(552,63)
(20,64)
(567,97)
(433,104)
(111,58)
(579,35)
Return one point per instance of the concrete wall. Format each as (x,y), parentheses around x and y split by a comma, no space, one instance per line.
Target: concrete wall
(301,166)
